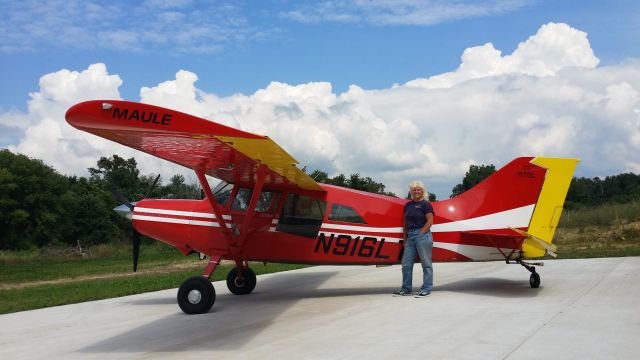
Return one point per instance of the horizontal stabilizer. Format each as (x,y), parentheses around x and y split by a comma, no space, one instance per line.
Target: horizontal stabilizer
(550,248)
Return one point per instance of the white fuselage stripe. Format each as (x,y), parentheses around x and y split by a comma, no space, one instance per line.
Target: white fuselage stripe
(516,218)
(179,213)
(362,228)
(175,221)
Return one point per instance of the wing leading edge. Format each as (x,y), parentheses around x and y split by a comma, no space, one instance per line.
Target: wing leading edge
(220,151)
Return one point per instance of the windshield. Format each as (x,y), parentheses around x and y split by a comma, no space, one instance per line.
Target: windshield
(222,192)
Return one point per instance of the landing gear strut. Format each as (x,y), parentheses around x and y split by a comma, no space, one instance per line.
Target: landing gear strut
(534,279)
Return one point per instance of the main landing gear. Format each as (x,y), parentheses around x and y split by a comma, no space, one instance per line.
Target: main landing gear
(196,295)
(241,285)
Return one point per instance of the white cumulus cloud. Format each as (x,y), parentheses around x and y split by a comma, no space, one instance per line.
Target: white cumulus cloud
(552,48)
(549,97)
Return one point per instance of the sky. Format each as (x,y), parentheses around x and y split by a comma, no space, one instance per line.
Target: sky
(393,90)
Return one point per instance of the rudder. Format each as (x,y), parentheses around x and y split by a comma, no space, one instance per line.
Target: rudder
(548,209)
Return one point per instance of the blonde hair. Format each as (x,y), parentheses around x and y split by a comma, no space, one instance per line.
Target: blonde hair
(418,184)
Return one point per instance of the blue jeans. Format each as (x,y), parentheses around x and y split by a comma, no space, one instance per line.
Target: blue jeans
(420,244)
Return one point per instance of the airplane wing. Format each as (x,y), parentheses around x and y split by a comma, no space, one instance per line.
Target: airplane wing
(220,151)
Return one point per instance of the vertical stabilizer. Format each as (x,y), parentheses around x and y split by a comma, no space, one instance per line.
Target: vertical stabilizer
(548,209)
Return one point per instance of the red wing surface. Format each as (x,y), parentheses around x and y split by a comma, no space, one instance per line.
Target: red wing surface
(221,151)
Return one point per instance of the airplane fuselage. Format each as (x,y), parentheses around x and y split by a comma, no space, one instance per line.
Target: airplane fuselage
(345,226)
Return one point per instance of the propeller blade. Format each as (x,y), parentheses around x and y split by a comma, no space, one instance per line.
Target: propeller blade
(152,186)
(136,249)
(123,200)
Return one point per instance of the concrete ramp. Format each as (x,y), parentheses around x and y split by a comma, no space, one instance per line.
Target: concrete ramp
(584,309)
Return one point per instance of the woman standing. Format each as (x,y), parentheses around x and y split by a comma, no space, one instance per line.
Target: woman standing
(417,221)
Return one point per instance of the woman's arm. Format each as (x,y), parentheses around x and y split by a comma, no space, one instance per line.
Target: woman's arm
(425,229)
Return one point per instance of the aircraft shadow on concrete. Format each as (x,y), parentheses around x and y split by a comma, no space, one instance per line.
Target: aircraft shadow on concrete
(235,320)
(489,286)
(231,324)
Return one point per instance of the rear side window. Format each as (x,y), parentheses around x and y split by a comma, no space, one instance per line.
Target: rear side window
(345,213)
(302,215)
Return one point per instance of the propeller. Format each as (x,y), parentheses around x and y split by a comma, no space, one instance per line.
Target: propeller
(122,200)
(136,249)
(153,184)
(125,209)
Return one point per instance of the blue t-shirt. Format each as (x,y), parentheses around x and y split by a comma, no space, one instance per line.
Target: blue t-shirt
(415,213)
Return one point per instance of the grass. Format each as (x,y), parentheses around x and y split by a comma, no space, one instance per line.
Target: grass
(609,230)
(603,215)
(49,264)
(36,279)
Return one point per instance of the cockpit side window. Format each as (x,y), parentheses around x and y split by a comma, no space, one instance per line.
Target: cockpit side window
(266,201)
(345,213)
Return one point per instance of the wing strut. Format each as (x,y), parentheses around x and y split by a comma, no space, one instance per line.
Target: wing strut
(212,200)
(251,210)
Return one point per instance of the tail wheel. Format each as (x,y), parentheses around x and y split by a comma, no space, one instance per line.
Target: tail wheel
(244,285)
(534,280)
(196,295)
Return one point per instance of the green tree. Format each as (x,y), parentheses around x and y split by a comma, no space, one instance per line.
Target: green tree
(118,174)
(178,189)
(355,181)
(473,177)
(88,215)
(319,176)
(617,188)
(29,202)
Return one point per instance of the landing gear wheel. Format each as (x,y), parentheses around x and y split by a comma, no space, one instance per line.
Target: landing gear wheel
(241,286)
(196,295)
(534,280)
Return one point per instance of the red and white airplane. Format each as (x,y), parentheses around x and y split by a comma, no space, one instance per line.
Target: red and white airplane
(266,209)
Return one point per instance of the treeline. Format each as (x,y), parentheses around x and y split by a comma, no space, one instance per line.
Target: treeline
(622,188)
(354,181)
(41,207)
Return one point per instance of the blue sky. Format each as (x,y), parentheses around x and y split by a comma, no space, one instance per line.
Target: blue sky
(262,43)
(396,53)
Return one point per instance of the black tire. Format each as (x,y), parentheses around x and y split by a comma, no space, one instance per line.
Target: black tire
(534,280)
(243,287)
(196,295)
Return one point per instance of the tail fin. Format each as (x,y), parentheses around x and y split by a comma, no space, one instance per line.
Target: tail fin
(525,196)
(548,209)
